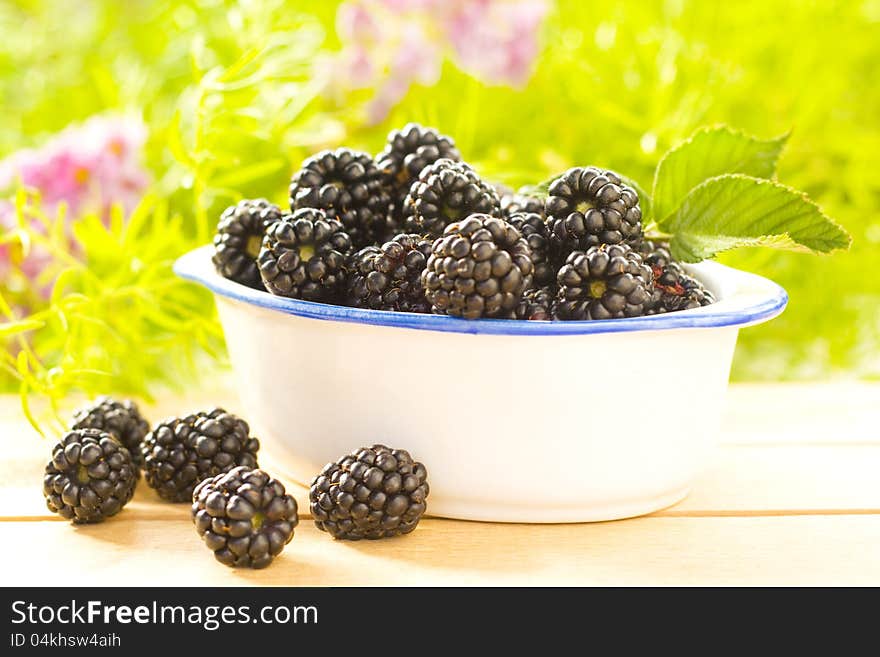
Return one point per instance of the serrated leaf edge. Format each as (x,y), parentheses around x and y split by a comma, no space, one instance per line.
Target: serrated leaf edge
(773,183)
(783,139)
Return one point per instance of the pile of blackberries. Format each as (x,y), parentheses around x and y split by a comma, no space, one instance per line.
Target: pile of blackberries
(399,232)
(209,459)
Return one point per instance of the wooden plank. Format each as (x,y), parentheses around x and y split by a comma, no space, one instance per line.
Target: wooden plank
(794,550)
(819,413)
(749,479)
(760,469)
(814,413)
(742,480)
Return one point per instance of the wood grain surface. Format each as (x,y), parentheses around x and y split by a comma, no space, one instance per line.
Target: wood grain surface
(792,497)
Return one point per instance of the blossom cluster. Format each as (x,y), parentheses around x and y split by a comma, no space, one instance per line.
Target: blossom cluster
(88,167)
(391,44)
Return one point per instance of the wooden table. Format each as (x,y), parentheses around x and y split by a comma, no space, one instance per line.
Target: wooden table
(791,498)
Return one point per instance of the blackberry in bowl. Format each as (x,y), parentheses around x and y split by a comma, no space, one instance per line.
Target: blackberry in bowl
(444,193)
(409,150)
(349,187)
(587,206)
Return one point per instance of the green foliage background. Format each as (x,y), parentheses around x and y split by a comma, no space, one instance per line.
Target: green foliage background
(229,94)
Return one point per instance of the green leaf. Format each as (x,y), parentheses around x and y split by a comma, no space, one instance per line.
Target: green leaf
(20,326)
(708,153)
(735,210)
(175,142)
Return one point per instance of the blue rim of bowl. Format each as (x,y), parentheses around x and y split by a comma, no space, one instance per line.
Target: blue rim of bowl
(769,301)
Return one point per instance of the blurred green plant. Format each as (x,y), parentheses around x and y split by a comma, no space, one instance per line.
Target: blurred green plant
(117,319)
(231,94)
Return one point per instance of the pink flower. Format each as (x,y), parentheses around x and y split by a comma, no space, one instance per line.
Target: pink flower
(391,44)
(496,41)
(90,167)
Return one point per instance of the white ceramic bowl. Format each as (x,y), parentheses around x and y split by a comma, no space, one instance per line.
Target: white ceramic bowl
(516,421)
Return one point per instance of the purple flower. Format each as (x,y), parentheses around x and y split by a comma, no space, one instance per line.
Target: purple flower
(391,44)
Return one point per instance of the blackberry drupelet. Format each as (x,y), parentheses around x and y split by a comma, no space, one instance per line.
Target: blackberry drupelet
(587,207)
(90,477)
(512,204)
(348,186)
(605,282)
(447,192)
(537,304)
(374,492)
(244,516)
(409,150)
(479,268)
(121,419)
(673,289)
(238,239)
(182,451)
(389,277)
(304,256)
(535,231)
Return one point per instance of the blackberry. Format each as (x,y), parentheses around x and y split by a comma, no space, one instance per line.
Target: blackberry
(674,290)
(512,204)
(605,282)
(90,477)
(537,304)
(504,192)
(409,150)
(479,268)
(303,256)
(244,516)
(238,239)
(587,207)
(182,451)
(534,230)
(374,492)
(446,192)
(121,419)
(348,186)
(389,277)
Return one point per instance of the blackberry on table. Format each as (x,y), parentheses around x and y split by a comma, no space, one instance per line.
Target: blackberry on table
(374,492)
(537,304)
(91,476)
(479,268)
(239,237)
(304,256)
(244,516)
(121,419)
(348,186)
(182,451)
(587,207)
(535,231)
(605,282)
(389,277)
(674,290)
(444,193)
(409,150)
